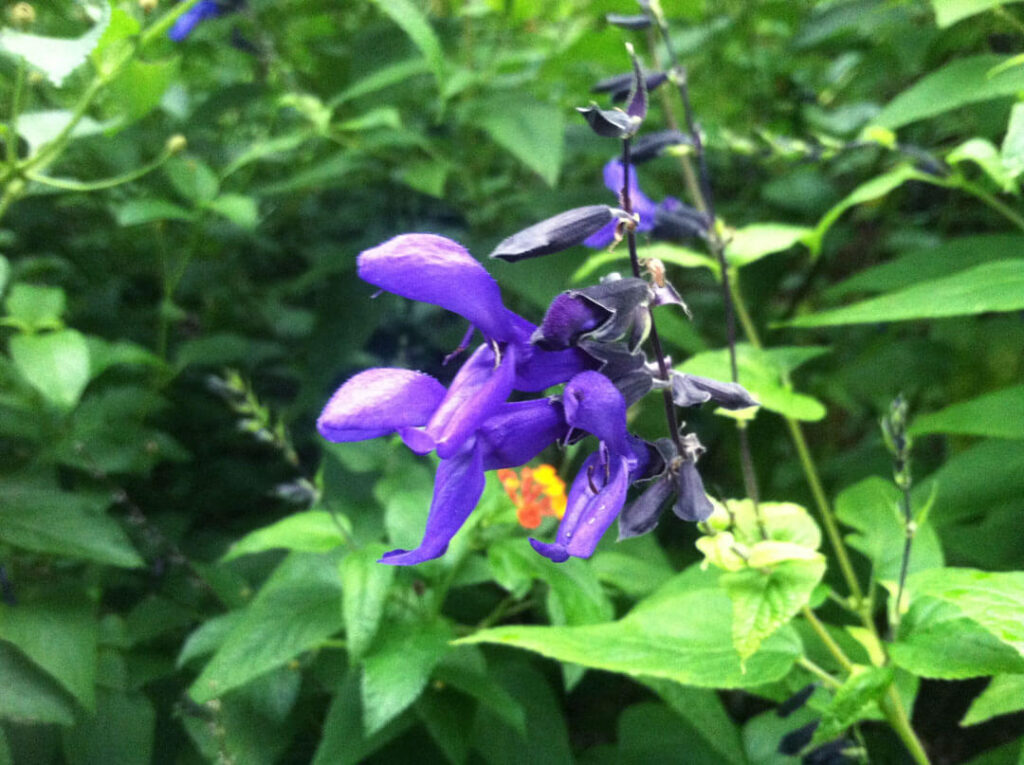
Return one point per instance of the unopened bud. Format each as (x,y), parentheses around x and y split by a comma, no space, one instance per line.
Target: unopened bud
(176,144)
(147,6)
(23,14)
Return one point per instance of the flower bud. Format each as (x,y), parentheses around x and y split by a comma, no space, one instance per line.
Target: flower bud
(148,6)
(691,390)
(554,234)
(638,21)
(23,14)
(651,145)
(609,123)
(176,144)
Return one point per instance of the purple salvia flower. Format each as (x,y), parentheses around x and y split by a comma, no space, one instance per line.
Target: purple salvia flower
(190,19)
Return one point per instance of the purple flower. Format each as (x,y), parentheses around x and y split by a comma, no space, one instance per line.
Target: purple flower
(592,403)
(198,13)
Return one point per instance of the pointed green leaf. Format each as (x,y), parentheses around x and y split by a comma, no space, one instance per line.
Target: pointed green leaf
(311,531)
(990,287)
(364,591)
(121,731)
(1003,696)
(135,212)
(753,242)
(55,57)
(414,23)
(532,131)
(29,695)
(56,364)
(34,307)
(855,700)
(948,12)
(999,414)
(703,709)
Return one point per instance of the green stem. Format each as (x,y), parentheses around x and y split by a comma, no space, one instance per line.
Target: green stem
(69,184)
(12,123)
(818,672)
(896,715)
(1000,207)
(833,647)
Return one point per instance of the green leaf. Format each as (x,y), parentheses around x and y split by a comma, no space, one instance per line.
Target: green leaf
(385,77)
(139,89)
(938,640)
(995,600)
(667,253)
(1011,154)
(704,712)
(5,273)
(996,286)
(104,354)
(241,210)
(763,372)
(364,591)
(985,155)
(755,241)
(298,607)
(1003,696)
(872,507)
(763,601)
(964,81)
(42,127)
(855,700)
(60,635)
(653,641)
(414,23)
(427,176)
(999,414)
(29,695)
(135,212)
(209,636)
(397,670)
(931,263)
(121,731)
(55,57)
(56,364)
(34,308)
(192,179)
(381,117)
(475,681)
(532,131)
(948,12)
(311,531)
(868,191)
(444,714)
(633,575)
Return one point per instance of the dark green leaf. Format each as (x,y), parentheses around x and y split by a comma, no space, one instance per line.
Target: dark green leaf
(364,590)
(121,731)
(29,696)
(531,131)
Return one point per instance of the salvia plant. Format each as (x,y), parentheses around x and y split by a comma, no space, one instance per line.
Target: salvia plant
(458,556)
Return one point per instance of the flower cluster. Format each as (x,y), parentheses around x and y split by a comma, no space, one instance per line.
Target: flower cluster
(589,341)
(536,493)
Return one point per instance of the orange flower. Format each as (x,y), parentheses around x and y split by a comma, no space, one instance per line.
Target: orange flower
(535,492)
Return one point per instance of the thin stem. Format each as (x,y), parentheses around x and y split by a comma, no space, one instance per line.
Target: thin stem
(818,672)
(831,645)
(70,184)
(896,715)
(12,123)
(1000,207)
(634,262)
(908,520)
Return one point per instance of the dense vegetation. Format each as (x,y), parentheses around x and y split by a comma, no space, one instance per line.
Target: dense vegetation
(188,570)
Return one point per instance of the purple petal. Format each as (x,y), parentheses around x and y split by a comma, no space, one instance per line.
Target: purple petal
(639,201)
(642,515)
(602,237)
(186,22)
(692,503)
(457,488)
(538,369)
(378,402)
(595,405)
(568,317)
(477,390)
(518,432)
(434,269)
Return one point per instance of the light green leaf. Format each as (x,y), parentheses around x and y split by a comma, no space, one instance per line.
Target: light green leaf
(755,241)
(241,210)
(634,575)
(427,176)
(40,128)
(29,696)
(532,131)
(868,191)
(267,148)
(995,286)
(332,172)
(964,81)
(192,179)
(364,591)
(33,308)
(931,263)
(61,523)
(1003,696)
(667,253)
(408,16)
(381,117)
(135,212)
(120,731)
(762,372)
(872,507)
(56,364)
(1011,154)
(653,641)
(385,77)
(999,414)
(311,531)
(938,641)
(5,273)
(139,89)
(397,670)
(995,600)
(60,635)
(55,57)
(855,700)
(298,607)
(765,600)
(948,12)
(985,155)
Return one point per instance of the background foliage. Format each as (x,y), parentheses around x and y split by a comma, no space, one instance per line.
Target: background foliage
(188,572)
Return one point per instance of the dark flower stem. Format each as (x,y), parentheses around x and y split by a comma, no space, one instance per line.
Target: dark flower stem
(634,262)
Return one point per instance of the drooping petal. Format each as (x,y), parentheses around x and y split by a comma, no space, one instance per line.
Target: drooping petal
(692,503)
(186,22)
(650,145)
(569,316)
(434,269)
(642,514)
(692,390)
(518,432)
(592,403)
(640,202)
(457,488)
(380,401)
(555,234)
(477,391)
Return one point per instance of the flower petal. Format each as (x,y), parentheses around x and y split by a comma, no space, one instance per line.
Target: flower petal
(186,22)
(642,515)
(518,432)
(434,269)
(593,404)
(477,390)
(538,369)
(457,488)
(580,532)
(692,503)
(640,202)
(380,401)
